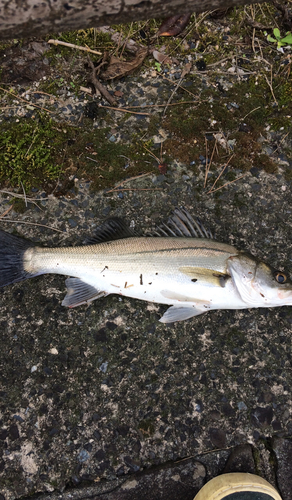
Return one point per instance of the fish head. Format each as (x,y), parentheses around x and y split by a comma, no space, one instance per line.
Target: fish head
(258,284)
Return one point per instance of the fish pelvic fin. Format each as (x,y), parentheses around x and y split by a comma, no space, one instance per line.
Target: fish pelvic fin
(180,313)
(12,259)
(79,292)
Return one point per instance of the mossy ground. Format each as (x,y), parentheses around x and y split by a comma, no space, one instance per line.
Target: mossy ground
(42,153)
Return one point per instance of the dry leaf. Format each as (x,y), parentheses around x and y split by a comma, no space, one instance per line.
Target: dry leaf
(186,70)
(118,68)
(173,26)
(162,167)
(161,58)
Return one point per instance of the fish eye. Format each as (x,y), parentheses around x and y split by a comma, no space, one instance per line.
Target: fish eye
(280,277)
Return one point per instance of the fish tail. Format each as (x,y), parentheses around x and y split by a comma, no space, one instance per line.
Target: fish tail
(12,250)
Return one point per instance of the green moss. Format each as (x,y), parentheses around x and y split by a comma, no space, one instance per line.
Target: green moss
(240,113)
(28,154)
(39,152)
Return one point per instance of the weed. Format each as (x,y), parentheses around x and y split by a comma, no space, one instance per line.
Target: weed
(281,42)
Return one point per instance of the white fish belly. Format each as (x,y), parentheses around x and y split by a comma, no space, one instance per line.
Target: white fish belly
(144,273)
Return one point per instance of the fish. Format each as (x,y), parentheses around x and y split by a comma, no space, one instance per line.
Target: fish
(180,264)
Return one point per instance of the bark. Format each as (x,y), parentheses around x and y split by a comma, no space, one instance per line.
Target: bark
(26,18)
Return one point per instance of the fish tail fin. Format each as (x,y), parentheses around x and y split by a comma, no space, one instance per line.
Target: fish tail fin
(12,250)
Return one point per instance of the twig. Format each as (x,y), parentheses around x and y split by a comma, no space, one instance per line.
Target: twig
(128,180)
(99,86)
(160,105)
(229,160)
(6,211)
(221,61)
(124,110)
(209,166)
(25,200)
(137,189)
(73,46)
(153,155)
(270,85)
(88,158)
(178,85)
(33,139)
(185,71)
(31,224)
(282,140)
(206,147)
(24,100)
(227,183)
(251,112)
(17,195)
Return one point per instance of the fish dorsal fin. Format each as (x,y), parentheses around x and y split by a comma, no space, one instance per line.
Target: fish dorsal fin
(79,293)
(112,229)
(182,224)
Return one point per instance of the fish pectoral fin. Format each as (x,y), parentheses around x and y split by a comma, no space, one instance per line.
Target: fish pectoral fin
(177,313)
(79,292)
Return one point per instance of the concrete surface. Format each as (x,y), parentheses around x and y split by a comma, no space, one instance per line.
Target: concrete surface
(104,395)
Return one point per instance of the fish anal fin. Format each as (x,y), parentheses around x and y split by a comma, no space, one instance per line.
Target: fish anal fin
(79,292)
(177,313)
(203,275)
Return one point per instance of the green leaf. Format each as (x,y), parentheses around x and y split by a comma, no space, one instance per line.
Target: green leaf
(157,66)
(271,39)
(276,32)
(287,39)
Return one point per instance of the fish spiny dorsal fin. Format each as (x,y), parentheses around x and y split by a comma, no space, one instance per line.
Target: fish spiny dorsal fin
(112,229)
(181,223)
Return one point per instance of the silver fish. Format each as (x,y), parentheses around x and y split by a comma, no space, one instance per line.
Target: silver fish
(182,267)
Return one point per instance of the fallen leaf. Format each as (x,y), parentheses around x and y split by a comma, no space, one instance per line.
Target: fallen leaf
(161,58)
(162,168)
(174,25)
(186,70)
(117,68)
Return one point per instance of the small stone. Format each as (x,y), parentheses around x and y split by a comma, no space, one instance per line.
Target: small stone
(13,432)
(103,367)
(83,456)
(241,406)
(218,437)
(72,222)
(240,460)
(262,416)
(18,418)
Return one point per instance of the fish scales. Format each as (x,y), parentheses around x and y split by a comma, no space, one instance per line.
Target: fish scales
(182,267)
(163,254)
